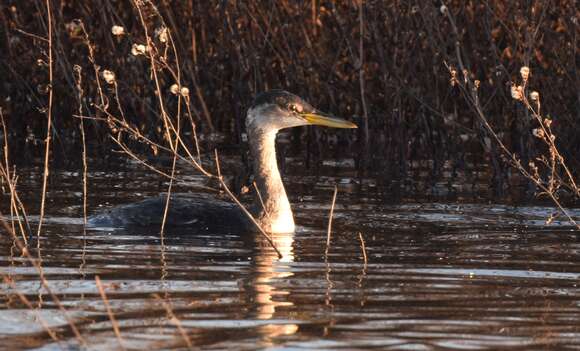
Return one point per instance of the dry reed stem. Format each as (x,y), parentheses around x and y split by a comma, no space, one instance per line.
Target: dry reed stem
(15,203)
(150,44)
(32,35)
(18,206)
(177,76)
(167,200)
(43,280)
(193,129)
(242,207)
(261,200)
(28,304)
(94,63)
(110,312)
(128,151)
(329,229)
(365,259)
(363,248)
(170,187)
(173,318)
(361,75)
(177,134)
(48,124)
(121,125)
(78,83)
(552,145)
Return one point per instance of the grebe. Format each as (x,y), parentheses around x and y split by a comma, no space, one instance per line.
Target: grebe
(270,112)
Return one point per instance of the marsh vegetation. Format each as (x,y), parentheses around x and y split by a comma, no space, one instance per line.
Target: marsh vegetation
(452,223)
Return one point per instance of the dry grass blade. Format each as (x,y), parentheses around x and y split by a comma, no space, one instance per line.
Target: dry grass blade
(173,318)
(48,122)
(329,230)
(363,248)
(243,208)
(30,307)
(43,280)
(116,328)
(16,206)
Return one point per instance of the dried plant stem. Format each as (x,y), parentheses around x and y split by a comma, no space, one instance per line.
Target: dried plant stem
(28,304)
(48,123)
(14,210)
(170,187)
(193,130)
(16,205)
(363,248)
(261,200)
(131,154)
(361,75)
(134,132)
(176,150)
(242,207)
(329,229)
(365,259)
(109,311)
(95,66)
(175,321)
(154,69)
(35,263)
(78,83)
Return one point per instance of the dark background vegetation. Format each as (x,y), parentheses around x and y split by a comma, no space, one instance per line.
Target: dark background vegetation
(230,50)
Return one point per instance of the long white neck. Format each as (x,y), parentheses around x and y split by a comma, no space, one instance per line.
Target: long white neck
(274,214)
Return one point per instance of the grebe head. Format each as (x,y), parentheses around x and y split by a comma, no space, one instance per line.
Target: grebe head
(270,112)
(279,109)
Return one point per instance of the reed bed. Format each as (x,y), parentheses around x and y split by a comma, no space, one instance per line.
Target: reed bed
(381,64)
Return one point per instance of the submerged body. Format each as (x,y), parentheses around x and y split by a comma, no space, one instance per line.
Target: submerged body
(205,214)
(270,112)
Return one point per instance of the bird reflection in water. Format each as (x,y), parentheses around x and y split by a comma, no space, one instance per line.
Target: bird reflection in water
(271,300)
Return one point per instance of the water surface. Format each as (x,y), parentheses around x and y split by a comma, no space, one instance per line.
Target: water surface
(438,275)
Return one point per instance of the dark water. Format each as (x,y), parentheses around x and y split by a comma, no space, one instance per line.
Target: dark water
(439,275)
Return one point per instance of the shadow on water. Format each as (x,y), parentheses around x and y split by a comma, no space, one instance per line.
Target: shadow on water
(438,276)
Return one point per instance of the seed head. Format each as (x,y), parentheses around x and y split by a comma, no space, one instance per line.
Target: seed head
(184,91)
(117,30)
(453,79)
(538,133)
(517,92)
(108,76)
(534,96)
(138,49)
(162,33)
(525,72)
(443,9)
(174,89)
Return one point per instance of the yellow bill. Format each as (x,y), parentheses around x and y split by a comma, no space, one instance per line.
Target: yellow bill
(322,119)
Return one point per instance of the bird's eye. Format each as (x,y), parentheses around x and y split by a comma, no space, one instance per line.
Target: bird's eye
(294,108)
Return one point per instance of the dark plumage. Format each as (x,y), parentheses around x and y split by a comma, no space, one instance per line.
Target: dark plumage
(282,98)
(201,212)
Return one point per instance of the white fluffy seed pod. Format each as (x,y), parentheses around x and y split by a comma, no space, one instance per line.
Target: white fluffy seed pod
(108,76)
(117,30)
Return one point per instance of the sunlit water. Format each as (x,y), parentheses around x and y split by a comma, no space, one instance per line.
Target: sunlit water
(438,275)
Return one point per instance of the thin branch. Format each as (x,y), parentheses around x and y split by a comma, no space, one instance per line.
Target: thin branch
(109,312)
(329,230)
(243,208)
(48,123)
